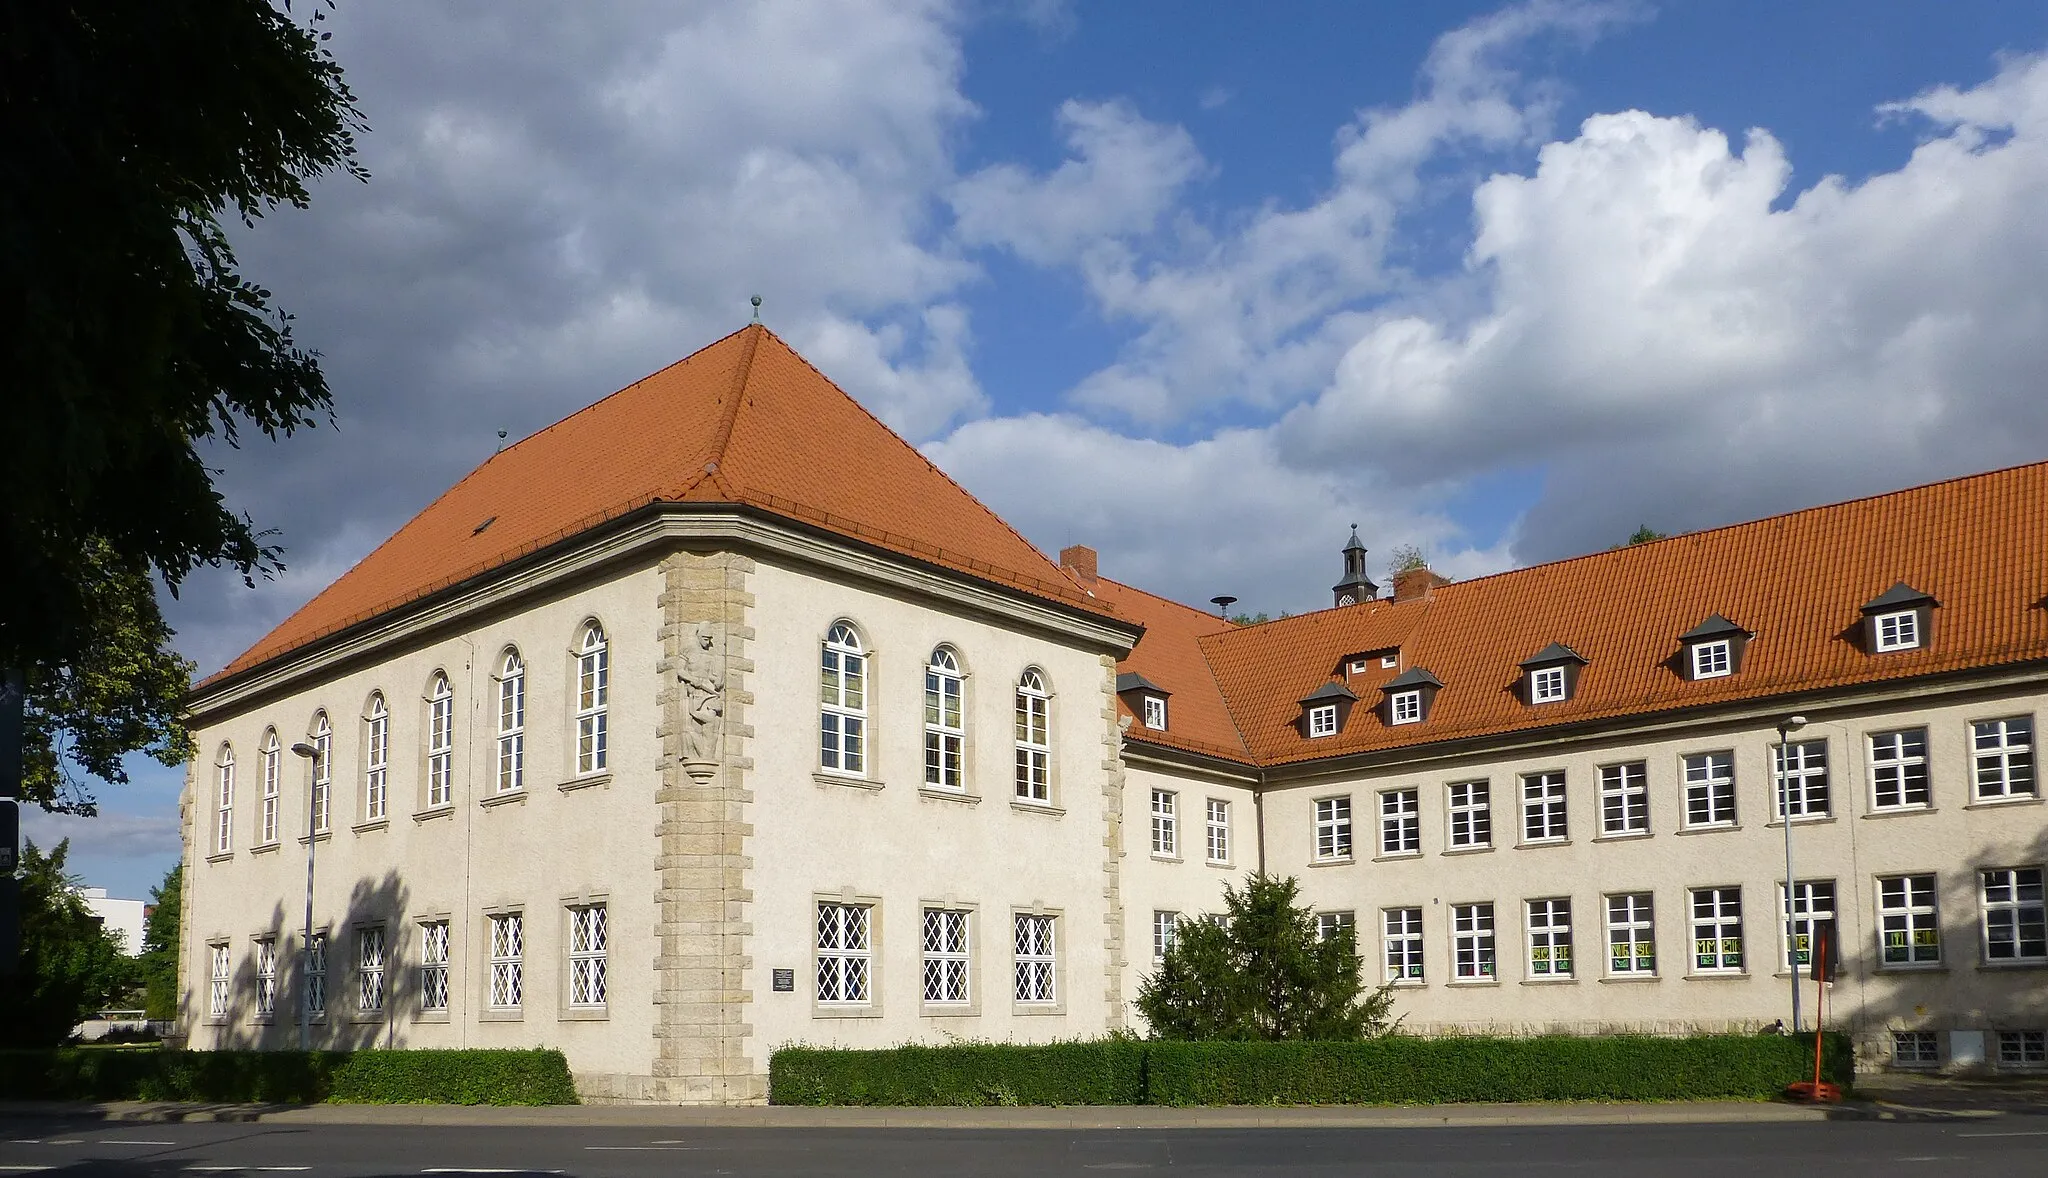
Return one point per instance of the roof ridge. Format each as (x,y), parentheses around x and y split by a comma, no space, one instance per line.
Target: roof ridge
(1227,624)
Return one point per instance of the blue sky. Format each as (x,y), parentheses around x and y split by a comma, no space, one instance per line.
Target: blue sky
(1199,285)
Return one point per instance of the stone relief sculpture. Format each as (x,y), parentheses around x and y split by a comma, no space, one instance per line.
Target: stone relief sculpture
(702,676)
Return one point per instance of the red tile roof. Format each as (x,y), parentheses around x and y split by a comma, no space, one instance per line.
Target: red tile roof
(745,421)
(1170,655)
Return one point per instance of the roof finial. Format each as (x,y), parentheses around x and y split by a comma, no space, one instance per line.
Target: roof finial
(501,441)
(756,300)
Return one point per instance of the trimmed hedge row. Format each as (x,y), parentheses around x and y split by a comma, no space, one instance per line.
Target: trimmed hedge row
(1397,1069)
(530,1077)
(1108,1071)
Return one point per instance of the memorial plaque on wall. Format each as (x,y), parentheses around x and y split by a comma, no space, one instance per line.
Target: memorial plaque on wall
(784,981)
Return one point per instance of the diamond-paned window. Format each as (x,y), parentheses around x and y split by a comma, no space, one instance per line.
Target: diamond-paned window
(1036,960)
(508,960)
(844,954)
(946,957)
(434,965)
(588,944)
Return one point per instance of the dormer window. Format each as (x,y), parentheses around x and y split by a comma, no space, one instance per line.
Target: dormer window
(1405,707)
(1324,709)
(1898,619)
(1409,696)
(1710,660)
(1713,649)
(1155,712)
(1146,699)
(1322,720)
(1551,675)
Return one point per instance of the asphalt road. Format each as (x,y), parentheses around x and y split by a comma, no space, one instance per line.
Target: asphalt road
(60,1149)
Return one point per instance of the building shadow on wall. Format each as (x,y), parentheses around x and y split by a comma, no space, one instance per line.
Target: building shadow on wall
(370,958)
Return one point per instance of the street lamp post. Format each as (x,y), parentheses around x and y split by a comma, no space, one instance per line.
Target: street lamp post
(1786,728)
(311,754)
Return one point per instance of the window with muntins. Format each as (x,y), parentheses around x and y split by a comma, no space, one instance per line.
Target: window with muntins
(1155,713)
(1811,904)
(1034,739)
(2002,752)
(1471,814)
(1802,787)
(316,975)
(1472,942)
(440,742)
(1331,924)
(323,772)
(843,703)
(1711,660)
(217,983)
(273,776)
(1916,1049)
(508,960)
(224,801)
(946,957)
(1908,921)
(1631,934)
(1625,799)
(1898,769)
(1322,720)
(266,977)
(1543,808)
(1407,707)
(1546,685)
(1550,938)
(1165,932)
(945,732)
(1333,828)
(434,965)
(1036,960)
(589,954)
(1403,931)
(1717,930)
(1897,631)
(844,954)
(2014,926)
(1165,822)
(593,700)
(376,758)
(1400,822)
(511,723)
(1219,831)
(370,969)
(1710,789)
(2022,1049)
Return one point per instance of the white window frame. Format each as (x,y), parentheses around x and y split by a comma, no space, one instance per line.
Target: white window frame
(1898,770)
(1401,945)
(1908,921)
(843,702)
(1631,934)
(1216,843)
(1548,685)
(273,782)
(1802,778)
(511,723)
(1166,823)
(2002,759)
(266,977)
(844,936)
(1333,829)
(371,958)
(2027,1048)
(1812,902)
(1470,808)
(1713,659)
(376,758)
(1034,738)
(589,955)
(1549,931)
(1165,932)
(507,945)
(221,969)
(316,976)
(434,966)
(1329,924)
(948,956)
(1155,712)
(1896,630)
(323,774)
(593,701)
(1322,721)
(1405,707)
(1545,813)
(1916,1049)
(1401,821)
(1390,660)
(1624,799)
(1709,789)
(440,742)
(2004,892)
(224,801)
(1473,943)
(1036,973)
(945,722)
(1714,911)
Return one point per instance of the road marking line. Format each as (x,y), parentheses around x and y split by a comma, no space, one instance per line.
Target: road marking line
(243,1169)
(483,1170)
(25,1169)
(645,1148)
(2033,1133)
(130,1141)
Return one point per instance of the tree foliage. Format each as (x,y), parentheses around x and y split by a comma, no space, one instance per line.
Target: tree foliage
(131,128)
(1262,973)
(70,964)
(160,945)
(1645,534)
(1408,557)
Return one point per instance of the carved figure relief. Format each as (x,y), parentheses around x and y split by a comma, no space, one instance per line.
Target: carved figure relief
(702,676)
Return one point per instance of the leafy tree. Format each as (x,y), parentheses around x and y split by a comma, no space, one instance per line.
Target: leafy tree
(1262,973)
(160,945)
(1249,619)
(70,964)
(131,128)
(1409,556)
(1645,534)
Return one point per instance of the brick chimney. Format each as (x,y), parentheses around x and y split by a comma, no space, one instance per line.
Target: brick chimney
(1079,559)
(1410,584)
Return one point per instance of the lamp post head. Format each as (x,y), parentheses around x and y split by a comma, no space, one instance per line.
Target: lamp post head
(1792,723)
(305,750)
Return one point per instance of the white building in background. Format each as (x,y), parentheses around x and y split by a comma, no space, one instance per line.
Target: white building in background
(123,918)
(714,718)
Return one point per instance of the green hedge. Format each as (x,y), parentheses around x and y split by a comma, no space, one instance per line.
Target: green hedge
(1397,1069)
(289,1077)
(1110,1071)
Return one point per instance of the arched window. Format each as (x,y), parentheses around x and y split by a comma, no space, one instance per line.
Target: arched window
(511,723)
(945,735)
(843,703)
(440,742)
(224,802)
(1034,739)
(323,772)
(593,696)
(273,773)
(376,757)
